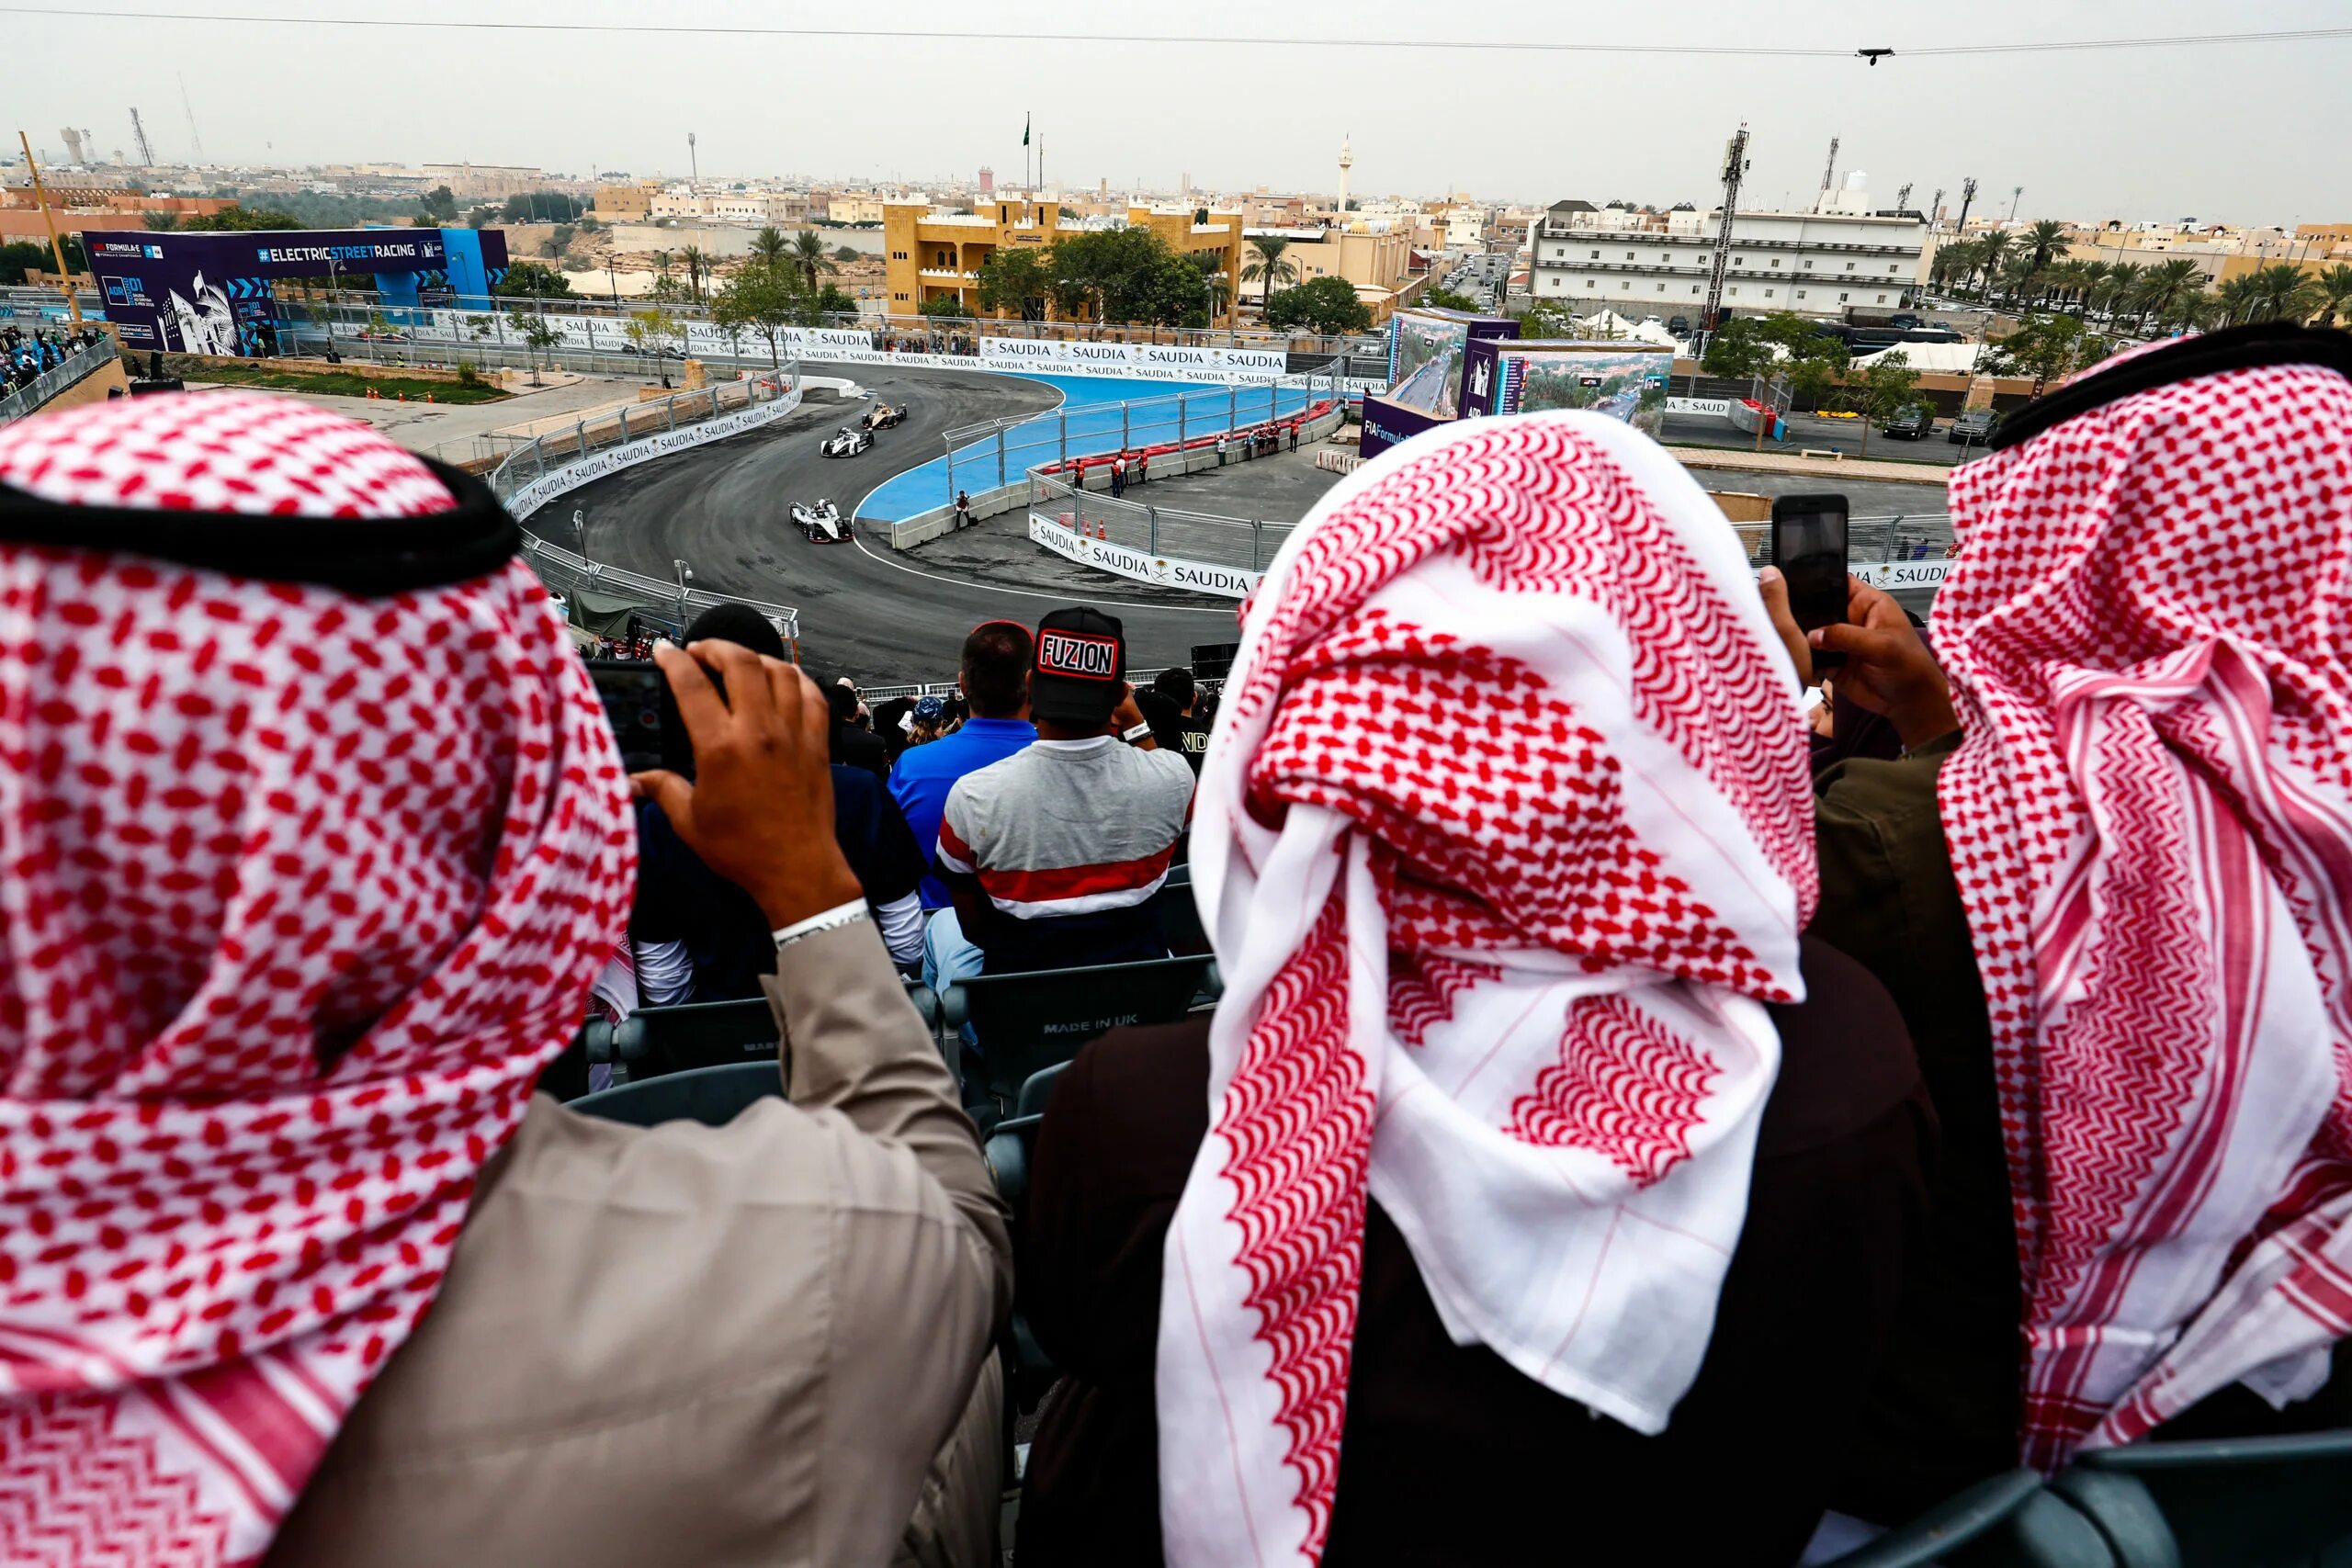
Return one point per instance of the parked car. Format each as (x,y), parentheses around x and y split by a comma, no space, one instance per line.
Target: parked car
(1904,320)
(1973,428)
(1911,424)
(1678,325)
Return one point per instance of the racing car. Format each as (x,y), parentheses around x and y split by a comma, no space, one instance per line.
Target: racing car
(823,524)
(847,442)
(882,415)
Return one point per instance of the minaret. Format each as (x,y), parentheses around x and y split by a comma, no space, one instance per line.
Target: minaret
(1347,162)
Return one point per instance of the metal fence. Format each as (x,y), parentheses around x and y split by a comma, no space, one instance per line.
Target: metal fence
(535,457)
(983,458)
(82,362)
(670,605)
(1870,541)
(1247,543)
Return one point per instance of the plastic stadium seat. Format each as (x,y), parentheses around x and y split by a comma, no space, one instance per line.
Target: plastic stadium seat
(655,1040)
(1028,1022)
(2005,1521)
(2282,1502)
(712,1096)
(1015,1137)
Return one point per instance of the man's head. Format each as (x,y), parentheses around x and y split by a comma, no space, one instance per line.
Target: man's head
(1176,685)
(1079,672)
(738,624)
(995,670)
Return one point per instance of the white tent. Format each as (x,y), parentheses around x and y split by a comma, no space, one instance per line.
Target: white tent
(1947,358)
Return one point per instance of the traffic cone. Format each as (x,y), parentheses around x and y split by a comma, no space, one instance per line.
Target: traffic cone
(428,397)
(403,396)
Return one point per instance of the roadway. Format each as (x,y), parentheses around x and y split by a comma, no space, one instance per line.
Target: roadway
(1805,431)
(866,610)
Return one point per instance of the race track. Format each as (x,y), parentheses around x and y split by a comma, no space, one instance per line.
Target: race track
(866,610)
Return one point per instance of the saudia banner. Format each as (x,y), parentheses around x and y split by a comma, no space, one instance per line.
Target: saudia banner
(1168,572)
(850,345)
(612,459)
(211,293)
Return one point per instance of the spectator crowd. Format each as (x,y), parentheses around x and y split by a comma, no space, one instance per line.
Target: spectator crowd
(1709,1087)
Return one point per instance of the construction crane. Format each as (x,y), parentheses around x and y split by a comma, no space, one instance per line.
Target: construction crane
(193,140)
(1828,173)
(1734,167)
(139,134)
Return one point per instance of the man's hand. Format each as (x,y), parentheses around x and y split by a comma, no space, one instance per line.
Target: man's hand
(1127,715)
(1775,590)
(760,810)
(1888,670)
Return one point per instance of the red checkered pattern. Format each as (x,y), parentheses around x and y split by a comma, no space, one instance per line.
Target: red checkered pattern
(299,891)
(2150,819)
(1503,840)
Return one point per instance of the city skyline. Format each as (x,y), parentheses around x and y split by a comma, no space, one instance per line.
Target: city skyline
(2090,134)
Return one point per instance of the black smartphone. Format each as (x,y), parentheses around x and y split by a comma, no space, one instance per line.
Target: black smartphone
(643,714)
(1809,546)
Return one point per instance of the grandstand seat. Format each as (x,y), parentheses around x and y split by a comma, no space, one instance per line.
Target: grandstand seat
(2282,1502)
(1028,1022)
(2010,1520)
(655,1040)
(1009,1147)
(712,1096)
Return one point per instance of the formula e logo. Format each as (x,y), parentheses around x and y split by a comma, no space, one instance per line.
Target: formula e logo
(1078,654)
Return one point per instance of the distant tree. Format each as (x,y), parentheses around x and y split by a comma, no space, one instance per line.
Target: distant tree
(1168,291)
(668,291)
(2044,242)
(1212,270)
(1547,318)
(560,237)
(697,268)
(2046,347)
(441,204)
(1737,349)
(542,206)
(2285,292)
(1888,386)
(236,217)
(529,280)
(651,330)
(1017,280)
(590,223)
(1989,251)
(1122,275)
(159,222)
(1268,268)
(1448,300)
(481,217)
(1326,305)
(832,301)
(2240,298)
(1200,215)
(2335,294)
(769,247)
(536,335)
(943,308)
(761,300)
(846,254)
(808,258)
(2158,290)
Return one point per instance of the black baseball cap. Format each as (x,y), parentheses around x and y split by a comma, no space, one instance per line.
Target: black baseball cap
(1079,668)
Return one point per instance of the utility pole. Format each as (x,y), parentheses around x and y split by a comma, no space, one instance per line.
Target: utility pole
(2014,195)
(64,272)
(1967,198)
(1734,167)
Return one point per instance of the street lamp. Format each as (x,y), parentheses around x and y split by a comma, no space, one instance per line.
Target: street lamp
(686,575)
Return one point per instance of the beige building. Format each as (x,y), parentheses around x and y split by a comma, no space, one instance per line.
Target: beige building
(854,208)
(933,255)
(625,204)
(1375,262)
(486,182)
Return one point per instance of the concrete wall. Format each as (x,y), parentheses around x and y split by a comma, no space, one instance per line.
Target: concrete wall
(90,388)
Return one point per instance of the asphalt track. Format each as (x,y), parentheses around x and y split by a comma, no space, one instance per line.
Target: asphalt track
(865,609)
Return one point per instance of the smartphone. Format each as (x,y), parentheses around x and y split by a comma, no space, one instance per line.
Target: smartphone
(643,714)
(1809,546)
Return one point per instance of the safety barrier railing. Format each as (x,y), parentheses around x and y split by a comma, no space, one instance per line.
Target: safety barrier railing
(536,457)
(670,604)
(1247,543)
(82,363)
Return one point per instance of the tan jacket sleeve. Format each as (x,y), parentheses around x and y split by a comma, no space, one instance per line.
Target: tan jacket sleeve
(911,1322)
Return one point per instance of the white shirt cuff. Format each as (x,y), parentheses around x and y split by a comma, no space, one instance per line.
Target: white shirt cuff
(839,915)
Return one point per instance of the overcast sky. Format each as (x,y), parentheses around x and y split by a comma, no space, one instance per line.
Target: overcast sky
(2239,132)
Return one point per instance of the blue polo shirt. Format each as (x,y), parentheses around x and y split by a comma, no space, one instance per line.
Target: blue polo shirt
(925,773)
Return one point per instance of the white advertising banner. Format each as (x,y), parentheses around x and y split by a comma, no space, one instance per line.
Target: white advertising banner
(853,346)
(1896,574)
(597,465)
(1167,571)
(1721,406)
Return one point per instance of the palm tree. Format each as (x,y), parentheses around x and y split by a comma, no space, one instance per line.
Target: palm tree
(697,267)
(1957,259)
(1268,268)
(2336,294)
(1988,256)
(809,258)
(2286,293)
(2164,285)
(661,263)
(2045,239)
(2110,293)
(2241,299)
(2019,275)
(770,248)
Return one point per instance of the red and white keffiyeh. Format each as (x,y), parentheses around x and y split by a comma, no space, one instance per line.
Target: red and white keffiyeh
(1504,841)
(2150,819)
(299,891)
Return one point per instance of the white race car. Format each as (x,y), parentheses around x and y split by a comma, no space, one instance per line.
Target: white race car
(822,523)
(847,442)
